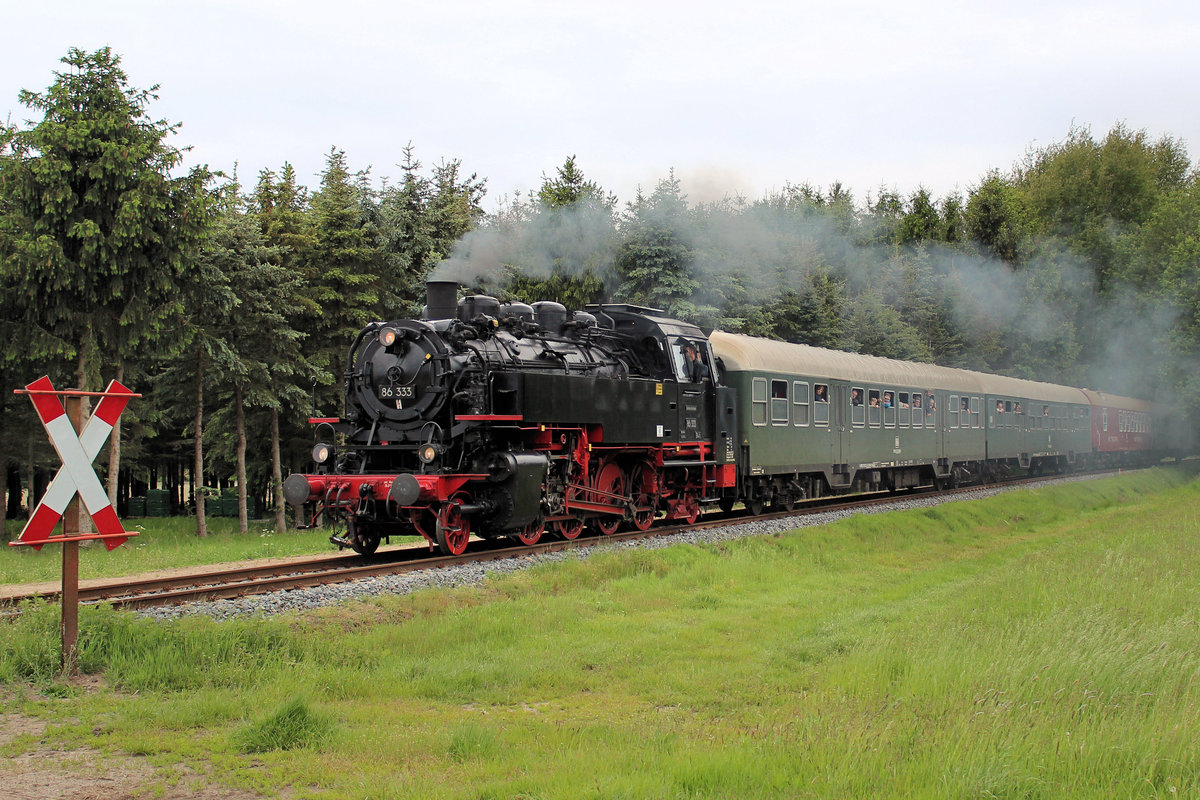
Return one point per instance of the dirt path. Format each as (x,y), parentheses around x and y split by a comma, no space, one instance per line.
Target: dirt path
(39,771)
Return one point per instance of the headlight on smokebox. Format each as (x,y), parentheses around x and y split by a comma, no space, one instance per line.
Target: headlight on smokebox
(429,453)
(321,453)
(388,336)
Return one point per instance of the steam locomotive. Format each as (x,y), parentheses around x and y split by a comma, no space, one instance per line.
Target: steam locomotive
(517,420)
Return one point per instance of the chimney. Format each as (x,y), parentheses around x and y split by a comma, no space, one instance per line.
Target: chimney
(441,300)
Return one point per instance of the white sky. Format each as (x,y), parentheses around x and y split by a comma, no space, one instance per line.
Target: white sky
(737,96)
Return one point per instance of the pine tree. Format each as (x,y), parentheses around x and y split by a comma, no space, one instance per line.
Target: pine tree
(96,231)
(341,269)
(655,257)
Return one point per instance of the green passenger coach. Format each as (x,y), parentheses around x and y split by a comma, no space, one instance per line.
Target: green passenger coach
(813,421)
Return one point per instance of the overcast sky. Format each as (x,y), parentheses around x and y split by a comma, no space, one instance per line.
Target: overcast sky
(738,96)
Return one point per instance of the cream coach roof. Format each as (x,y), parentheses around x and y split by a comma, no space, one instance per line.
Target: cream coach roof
(749,353)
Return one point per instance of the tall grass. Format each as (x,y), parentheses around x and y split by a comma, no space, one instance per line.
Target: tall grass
(1041,644)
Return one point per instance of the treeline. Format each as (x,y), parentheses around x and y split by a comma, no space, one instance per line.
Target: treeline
(231,306)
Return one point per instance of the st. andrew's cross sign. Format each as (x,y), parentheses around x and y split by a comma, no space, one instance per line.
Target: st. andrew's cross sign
(77,446)
(77,451)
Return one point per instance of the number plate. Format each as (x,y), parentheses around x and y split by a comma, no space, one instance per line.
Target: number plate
(397,392)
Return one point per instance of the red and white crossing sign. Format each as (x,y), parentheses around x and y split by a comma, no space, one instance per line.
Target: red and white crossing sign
(77,452)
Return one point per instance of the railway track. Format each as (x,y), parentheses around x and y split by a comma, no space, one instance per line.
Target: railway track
(144,592)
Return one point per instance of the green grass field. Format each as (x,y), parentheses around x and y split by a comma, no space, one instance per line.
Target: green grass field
(1038,644)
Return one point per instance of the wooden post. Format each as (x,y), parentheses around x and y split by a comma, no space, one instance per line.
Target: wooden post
(70,563)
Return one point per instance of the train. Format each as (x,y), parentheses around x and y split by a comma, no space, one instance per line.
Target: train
(494,419)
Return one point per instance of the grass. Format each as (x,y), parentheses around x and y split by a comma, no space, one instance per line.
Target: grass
(162,543)
(1038,644)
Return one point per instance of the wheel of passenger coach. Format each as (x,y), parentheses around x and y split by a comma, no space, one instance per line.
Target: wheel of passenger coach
(755,506)
(609,486)
(643,486)
(453,529)
(362,540)
(531,533)
(783,503)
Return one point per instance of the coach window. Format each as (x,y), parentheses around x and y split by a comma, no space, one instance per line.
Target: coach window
(821,404)
(873,407)
(1104,420)
(889,407)
(905,409)
(779,402)
(918,408)
(858,407)
(800,402)
(976,408)
(953,413)
(758,397)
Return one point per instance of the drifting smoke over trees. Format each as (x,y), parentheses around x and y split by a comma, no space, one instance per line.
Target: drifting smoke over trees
(1077,266)
(232,308)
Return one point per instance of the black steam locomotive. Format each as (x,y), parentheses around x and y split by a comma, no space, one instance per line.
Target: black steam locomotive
(508,420)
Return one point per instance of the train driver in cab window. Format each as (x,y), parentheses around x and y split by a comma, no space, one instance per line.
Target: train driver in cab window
(695,369)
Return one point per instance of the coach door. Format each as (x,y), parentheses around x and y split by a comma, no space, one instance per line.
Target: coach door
(839,426)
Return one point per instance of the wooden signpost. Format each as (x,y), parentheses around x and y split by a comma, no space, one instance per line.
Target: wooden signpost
(77,446)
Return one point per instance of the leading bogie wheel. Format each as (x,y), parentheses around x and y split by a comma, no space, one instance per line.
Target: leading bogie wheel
(453,529)
(362,540)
